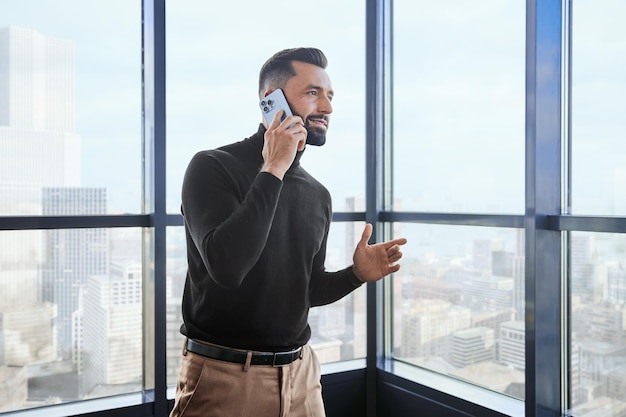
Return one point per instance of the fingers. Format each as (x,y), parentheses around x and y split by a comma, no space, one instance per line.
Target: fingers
(394,253)
(395,242)
(367,233)
(295,126)
(282,140)
(292,125)
(276,120)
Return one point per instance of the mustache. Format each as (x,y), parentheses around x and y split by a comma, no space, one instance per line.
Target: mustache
(318,117)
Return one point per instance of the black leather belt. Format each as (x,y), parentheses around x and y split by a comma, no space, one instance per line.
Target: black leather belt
(238,356)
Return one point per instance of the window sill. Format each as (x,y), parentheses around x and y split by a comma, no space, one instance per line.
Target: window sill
(141,404)
(466,392)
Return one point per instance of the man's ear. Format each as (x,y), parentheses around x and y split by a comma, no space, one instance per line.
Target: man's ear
(267,92)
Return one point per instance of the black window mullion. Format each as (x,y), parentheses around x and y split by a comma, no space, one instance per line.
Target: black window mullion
(154,189)
(543,199)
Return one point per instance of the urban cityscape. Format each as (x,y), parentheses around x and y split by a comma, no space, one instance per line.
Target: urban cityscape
(71,299)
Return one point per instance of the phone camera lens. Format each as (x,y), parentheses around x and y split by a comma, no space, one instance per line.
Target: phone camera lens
(266,109)
(263,103)
(270,102)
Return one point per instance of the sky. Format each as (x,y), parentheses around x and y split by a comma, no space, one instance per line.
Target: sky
(458,96)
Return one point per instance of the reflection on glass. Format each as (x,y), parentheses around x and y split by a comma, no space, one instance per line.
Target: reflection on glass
(598,104)
(458,304)
(458,106)
(70,313)
(597,281)
(338,329)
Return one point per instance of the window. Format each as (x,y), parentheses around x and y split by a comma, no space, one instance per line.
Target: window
(596,277)
(598,322)
(458,106)
(70,147)
(212,83)
(598,100)
(458,304)
(458,147)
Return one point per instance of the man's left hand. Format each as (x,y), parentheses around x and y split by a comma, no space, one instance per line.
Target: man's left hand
(373,262)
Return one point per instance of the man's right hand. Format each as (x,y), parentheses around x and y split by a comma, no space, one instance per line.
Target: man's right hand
(282,141)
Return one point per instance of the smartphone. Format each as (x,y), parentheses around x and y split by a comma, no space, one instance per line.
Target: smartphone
(273,102)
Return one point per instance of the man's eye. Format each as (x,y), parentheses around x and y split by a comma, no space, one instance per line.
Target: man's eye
(313,93)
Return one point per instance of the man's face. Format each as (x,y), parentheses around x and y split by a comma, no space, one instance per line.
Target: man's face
(309,94)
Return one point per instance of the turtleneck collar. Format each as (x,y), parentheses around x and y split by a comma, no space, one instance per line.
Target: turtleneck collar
(258,140)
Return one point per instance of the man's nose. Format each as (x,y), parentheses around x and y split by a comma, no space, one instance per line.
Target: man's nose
(325,106)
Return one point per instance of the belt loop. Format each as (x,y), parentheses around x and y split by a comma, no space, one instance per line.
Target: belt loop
(185,346)
(246,366)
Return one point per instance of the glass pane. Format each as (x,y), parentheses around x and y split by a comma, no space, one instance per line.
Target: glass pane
(175,282)
(339,329)
(70,101)
(70,315)
(597,278)
(212,82)
(598,105)
(458,106)
(458,304)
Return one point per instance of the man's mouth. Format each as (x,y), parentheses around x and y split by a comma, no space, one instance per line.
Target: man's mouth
(319,121)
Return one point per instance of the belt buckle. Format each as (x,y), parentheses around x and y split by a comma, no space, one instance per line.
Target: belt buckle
(292,354)
(274,360)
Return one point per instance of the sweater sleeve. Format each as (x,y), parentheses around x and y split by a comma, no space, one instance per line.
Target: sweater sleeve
(229,224)
(327,287)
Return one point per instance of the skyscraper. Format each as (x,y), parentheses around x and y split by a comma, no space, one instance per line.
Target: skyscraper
(112,331)
(38,148)
(36,81)
(72,255)
(37,140)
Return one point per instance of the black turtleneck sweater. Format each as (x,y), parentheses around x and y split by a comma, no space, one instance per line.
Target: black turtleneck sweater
(255,248)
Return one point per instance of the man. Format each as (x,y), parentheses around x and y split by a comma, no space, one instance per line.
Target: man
(257,225)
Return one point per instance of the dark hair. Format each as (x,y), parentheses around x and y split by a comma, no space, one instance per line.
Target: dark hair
(279,69)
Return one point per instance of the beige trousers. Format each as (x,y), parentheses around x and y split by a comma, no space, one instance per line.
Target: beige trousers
(212,388)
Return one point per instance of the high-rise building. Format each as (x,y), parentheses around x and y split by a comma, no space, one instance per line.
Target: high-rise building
(605,324)
(519,276)
(112,332)
(38,148)
(581,266)
(473,345)
(487,293)
(174,339)
(36,81)
(72,255)
(427,327)
(616,283)
(512,344)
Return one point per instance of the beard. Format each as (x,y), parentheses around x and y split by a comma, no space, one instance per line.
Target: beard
(316,135)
